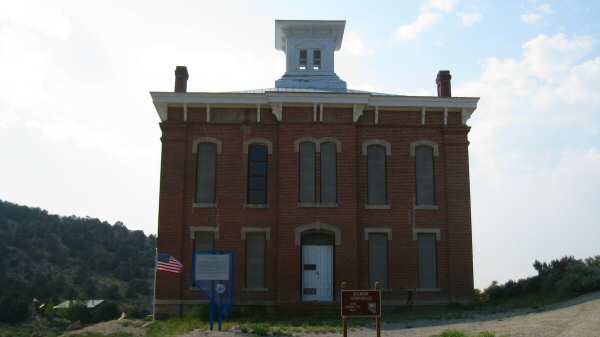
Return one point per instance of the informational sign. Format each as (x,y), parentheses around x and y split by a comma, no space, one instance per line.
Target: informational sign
(361,303)
(212,267)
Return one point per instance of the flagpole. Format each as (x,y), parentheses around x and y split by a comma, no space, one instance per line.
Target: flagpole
(154,286)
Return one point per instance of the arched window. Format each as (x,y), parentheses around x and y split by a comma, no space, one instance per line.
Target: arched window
(425,175)
(307,172)
(206,172)
(328,172)
(257,174)
(376,172)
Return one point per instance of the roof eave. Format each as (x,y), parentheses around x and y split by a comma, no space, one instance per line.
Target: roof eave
(162,100)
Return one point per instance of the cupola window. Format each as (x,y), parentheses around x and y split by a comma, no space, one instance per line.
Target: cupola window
(316,59)
(303,59)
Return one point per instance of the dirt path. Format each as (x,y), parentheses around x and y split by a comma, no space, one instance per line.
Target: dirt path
(576,318)
(579,317)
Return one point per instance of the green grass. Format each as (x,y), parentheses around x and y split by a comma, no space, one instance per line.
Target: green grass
(96,334)
(458,333)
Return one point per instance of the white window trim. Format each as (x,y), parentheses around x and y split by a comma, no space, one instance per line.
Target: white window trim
(367,143)
(198,140)
(436,231)
(317,226)
(378,206)
(262,141)
(317,142)
(428,290)
(385,230)
(301,140)
(213,229)
(433,145)
(338,144)
(266,230)
(427,207)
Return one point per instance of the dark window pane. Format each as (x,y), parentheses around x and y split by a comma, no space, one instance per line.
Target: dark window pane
(257,174)
(303,58)
(258,153)
(204,241)
(255,260)
(307,172)
(328,172)
(257,183)
(427,261)
(378,259)
(377,194)
(316,59)
(425,176)
(258,169)
(257,197)
(206,174)
(318,238)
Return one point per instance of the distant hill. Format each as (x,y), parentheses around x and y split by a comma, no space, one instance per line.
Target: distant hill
(55,257)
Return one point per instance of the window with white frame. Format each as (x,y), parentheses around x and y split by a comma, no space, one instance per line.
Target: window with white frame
(425,175)
(303,59)
(206,172)
(255,260)
(328,172)
(378,259)
(316,59)
(376,175)
(427,260)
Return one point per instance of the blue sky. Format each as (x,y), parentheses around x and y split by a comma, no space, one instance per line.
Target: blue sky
(79,134)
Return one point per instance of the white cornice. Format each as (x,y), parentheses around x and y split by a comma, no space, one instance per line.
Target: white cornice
(277,99)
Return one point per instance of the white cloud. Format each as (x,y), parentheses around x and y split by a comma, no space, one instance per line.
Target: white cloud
(537,14)
(430,14)
(544,8)
(424,21)
(531,18)
(443,5)
(535,157)
(353,44)
(470,18)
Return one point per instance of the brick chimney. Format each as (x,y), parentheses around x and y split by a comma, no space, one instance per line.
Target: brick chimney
(443,83)
(181,77)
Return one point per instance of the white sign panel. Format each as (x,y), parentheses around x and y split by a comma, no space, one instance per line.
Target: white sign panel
(212,267)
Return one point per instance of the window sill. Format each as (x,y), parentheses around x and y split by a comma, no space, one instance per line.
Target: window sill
(374,206)
(256,290)
(256,205)
(318,204)
(204,205)
(427,207)
(427,290)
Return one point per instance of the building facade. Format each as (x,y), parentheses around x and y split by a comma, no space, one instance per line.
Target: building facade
(310,184)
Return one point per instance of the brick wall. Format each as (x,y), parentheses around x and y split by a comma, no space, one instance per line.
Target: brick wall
(399,128)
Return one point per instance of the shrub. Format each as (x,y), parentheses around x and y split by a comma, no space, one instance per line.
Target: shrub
(78,312)
(14,309)
(451,333)
(565,277)
(106,312)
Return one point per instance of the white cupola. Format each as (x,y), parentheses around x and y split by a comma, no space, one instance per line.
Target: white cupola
(309,47)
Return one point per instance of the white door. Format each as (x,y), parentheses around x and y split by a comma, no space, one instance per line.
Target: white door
(317,273)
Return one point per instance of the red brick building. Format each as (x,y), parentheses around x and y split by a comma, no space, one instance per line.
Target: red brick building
(310,184)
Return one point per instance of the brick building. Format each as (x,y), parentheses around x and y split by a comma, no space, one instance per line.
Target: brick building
(310,184)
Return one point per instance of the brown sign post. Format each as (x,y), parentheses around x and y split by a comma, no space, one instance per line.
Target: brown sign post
(361,303)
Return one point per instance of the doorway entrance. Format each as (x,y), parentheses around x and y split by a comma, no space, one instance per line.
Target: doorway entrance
(317,266)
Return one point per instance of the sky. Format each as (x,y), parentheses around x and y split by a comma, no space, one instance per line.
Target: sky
(79,134)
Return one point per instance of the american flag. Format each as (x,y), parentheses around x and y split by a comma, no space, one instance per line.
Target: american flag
(166,262)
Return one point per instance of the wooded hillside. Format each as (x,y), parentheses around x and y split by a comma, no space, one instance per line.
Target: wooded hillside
(54,257)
